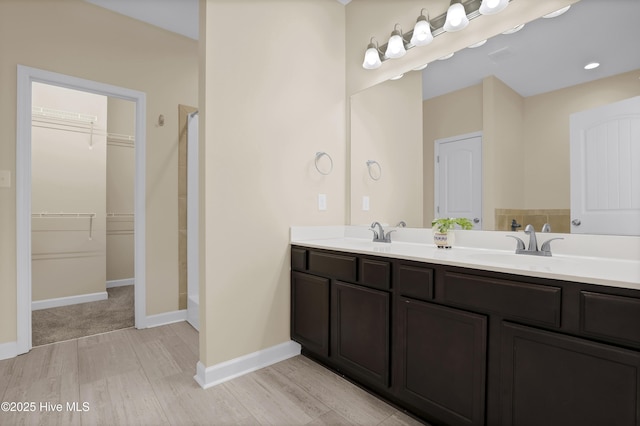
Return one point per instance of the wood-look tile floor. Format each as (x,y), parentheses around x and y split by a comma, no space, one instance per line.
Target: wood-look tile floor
(145,377)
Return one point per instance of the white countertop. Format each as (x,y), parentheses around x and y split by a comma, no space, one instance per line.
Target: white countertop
(623,273)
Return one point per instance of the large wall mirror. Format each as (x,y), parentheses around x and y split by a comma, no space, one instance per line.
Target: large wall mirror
(518,92)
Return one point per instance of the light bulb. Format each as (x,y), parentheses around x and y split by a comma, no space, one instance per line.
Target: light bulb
(395,46)
(456,18)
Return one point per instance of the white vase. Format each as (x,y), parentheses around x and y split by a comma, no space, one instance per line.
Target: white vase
(443,240)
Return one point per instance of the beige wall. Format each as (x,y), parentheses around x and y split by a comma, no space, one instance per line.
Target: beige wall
(120,189)
(546,135)
(89,42)
(267,108)
(445,116)
(502,149)
(69,161)
(525,140)
(386,126)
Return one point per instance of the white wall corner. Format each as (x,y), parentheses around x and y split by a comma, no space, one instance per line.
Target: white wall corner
(165,318)
(219,373)
(8,350)
(69,300)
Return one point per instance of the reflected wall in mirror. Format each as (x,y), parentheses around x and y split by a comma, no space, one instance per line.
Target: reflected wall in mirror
(519,91)
(386,127)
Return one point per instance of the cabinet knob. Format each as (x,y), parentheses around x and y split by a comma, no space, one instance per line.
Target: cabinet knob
(476,220)
(576,222)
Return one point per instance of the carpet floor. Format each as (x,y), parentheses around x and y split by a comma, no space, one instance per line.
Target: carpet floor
(84,319)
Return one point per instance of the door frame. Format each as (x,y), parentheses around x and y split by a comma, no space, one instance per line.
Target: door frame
(436,179)
(26,76)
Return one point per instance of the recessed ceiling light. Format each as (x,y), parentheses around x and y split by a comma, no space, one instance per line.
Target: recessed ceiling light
(442,58)
(421,67)
(514,29)
(478,44)
(557,12)
(591,65)
(397,77)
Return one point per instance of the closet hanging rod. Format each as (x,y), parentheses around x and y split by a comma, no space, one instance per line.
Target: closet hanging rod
(63,115)
(63,215)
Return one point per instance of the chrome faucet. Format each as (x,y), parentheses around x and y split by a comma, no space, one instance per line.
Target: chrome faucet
(380,236)
(533,242)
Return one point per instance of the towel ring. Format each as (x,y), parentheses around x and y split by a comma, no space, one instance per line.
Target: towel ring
(319,155)
(370,164)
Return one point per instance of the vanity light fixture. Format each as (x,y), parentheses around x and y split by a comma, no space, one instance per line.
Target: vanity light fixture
(478,44)
(592,65)
(445,57)
(557,12)
(456,17)
(395,46)
(514,29)
(373,56)
(491,7)
(422,31)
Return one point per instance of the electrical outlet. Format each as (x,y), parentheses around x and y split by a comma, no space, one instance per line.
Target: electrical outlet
(365,203)
(322,202)
(5,179)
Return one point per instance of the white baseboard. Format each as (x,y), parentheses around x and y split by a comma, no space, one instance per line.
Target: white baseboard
(165,318)
(69,300)
(121,283)
(193,313)
(219,373)
(8,350)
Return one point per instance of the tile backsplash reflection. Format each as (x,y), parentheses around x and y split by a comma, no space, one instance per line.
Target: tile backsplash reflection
(559,219)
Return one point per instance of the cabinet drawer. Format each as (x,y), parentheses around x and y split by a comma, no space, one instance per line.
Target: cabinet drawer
(513,299)
(375,273)
(333,265)
(609,316)
(414,281)
(298,259)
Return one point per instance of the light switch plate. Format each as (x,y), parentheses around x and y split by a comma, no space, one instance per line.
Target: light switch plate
(365,203)
(5,179)
(322,202)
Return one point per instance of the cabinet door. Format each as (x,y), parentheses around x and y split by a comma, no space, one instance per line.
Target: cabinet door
(552,379)
(310,312)
(360,331)
(440,362)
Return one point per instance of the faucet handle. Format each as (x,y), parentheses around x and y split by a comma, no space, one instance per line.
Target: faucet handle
(546,228)
(518,241)
(546,246)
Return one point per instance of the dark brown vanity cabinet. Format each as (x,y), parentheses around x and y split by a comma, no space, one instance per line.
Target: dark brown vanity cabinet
(360,337)
(553,379)
(310,312)
(340,312)
(440,361)
(458,346)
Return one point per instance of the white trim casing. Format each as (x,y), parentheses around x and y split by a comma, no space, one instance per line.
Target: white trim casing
(69,300)
(26,76)
(219,373)
(166,318)
(8,350)
(121,283)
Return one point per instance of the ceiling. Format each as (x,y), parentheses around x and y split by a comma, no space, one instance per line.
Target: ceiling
(548,54)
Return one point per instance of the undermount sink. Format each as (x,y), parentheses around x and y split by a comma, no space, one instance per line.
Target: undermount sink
(519,260)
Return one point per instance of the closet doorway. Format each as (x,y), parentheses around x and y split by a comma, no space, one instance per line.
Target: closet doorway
(82,180)
(27,78)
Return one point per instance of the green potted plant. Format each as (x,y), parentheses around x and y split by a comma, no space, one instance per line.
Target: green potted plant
(442,236)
